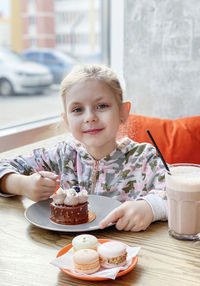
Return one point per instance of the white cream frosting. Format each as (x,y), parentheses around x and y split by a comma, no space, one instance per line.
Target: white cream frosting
(70,197)
(83,196)
(59,197)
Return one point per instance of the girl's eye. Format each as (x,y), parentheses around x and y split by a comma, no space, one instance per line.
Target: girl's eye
(102,106)
(77,110)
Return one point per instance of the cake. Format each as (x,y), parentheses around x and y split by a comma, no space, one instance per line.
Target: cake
(112,254)
(84,241)
(69,207)
(86,261)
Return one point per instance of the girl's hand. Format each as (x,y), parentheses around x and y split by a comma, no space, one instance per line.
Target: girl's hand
(39,186)
(130,216)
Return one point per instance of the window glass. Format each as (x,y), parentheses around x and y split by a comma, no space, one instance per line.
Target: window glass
(40,42)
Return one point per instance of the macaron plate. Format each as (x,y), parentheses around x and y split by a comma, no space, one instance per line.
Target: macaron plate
(67,271)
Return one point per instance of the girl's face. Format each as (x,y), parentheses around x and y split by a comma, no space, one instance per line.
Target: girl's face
(93,116)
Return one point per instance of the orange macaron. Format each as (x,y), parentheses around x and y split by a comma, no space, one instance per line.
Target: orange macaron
(86,261)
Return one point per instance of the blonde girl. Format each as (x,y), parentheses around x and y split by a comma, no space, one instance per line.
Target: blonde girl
(127,171)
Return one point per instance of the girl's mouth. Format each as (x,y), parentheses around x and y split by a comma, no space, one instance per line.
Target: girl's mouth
(93,131)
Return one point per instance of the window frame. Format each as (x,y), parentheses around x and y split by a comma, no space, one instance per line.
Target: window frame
(28,133)
(117,38)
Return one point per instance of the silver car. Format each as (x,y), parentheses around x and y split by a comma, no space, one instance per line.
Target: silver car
(17,75)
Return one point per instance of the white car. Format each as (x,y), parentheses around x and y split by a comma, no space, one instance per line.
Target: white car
(17,75)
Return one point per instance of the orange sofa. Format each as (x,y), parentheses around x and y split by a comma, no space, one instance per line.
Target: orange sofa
(178,140)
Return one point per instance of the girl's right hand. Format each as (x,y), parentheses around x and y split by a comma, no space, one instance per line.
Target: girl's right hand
(39,186)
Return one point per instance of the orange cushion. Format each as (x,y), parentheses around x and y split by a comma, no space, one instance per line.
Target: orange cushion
(178,140)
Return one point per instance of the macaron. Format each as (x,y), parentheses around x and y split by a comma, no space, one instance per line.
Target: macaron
(84,241)
(86,261)
(112,254)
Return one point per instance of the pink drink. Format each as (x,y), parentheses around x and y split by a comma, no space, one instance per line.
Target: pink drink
(183,193)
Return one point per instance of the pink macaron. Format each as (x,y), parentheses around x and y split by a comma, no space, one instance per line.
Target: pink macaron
(112,254)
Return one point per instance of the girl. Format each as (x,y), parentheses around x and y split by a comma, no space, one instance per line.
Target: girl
(126,170)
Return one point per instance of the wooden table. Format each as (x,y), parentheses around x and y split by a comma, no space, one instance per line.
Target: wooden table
(26,252)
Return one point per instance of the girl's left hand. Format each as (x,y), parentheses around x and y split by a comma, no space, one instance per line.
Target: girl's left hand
(130,216)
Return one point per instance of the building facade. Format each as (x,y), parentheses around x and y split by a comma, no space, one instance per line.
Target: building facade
(67,25)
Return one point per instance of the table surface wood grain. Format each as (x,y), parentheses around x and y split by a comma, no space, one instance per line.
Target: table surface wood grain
(26,252)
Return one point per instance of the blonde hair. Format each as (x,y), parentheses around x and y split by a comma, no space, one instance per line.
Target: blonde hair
(84,72)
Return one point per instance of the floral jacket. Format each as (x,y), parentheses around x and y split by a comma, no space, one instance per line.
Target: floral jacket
(132,171)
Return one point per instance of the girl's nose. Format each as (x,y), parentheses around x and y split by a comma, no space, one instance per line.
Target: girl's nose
(90,116)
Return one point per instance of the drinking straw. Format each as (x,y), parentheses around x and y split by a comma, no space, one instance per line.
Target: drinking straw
(158,151)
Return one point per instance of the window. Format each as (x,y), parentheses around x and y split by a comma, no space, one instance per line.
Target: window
(73,30)
(33,43)
(32,20)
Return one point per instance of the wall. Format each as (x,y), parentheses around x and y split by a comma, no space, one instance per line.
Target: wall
(16,26)
(162,57)
(5,32)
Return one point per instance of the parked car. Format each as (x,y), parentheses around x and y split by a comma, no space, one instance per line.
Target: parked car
(17,75)
(58,62)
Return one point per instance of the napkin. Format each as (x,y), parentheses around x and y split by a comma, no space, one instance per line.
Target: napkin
(66,261)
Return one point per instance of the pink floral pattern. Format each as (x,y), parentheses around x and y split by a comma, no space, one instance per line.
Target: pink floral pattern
(131,171)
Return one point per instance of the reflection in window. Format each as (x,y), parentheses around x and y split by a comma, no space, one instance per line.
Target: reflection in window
(32,20)
(69,26)
(55,34)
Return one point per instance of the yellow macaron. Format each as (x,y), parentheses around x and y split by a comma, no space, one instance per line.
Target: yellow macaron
(84,241)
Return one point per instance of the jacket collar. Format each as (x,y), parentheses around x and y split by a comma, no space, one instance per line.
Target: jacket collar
(123,146)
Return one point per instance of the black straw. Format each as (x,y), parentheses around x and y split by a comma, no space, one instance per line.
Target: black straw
(158,151)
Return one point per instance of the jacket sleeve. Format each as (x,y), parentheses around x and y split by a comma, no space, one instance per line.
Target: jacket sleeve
(39,160)
(155,184)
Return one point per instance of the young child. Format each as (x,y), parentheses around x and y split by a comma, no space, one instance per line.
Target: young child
(127,171)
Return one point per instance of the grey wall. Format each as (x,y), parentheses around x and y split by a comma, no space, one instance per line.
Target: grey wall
(162,57)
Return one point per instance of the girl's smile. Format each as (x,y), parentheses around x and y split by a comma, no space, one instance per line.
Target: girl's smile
(93,131)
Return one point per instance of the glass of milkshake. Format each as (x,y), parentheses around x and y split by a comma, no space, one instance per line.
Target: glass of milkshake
(183,195)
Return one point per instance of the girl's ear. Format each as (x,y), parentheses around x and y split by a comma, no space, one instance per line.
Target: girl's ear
(124,112)
(64,117)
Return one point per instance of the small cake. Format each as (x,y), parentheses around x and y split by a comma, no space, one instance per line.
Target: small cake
(86,261)
(69,207)
(84,241)
(112,254)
